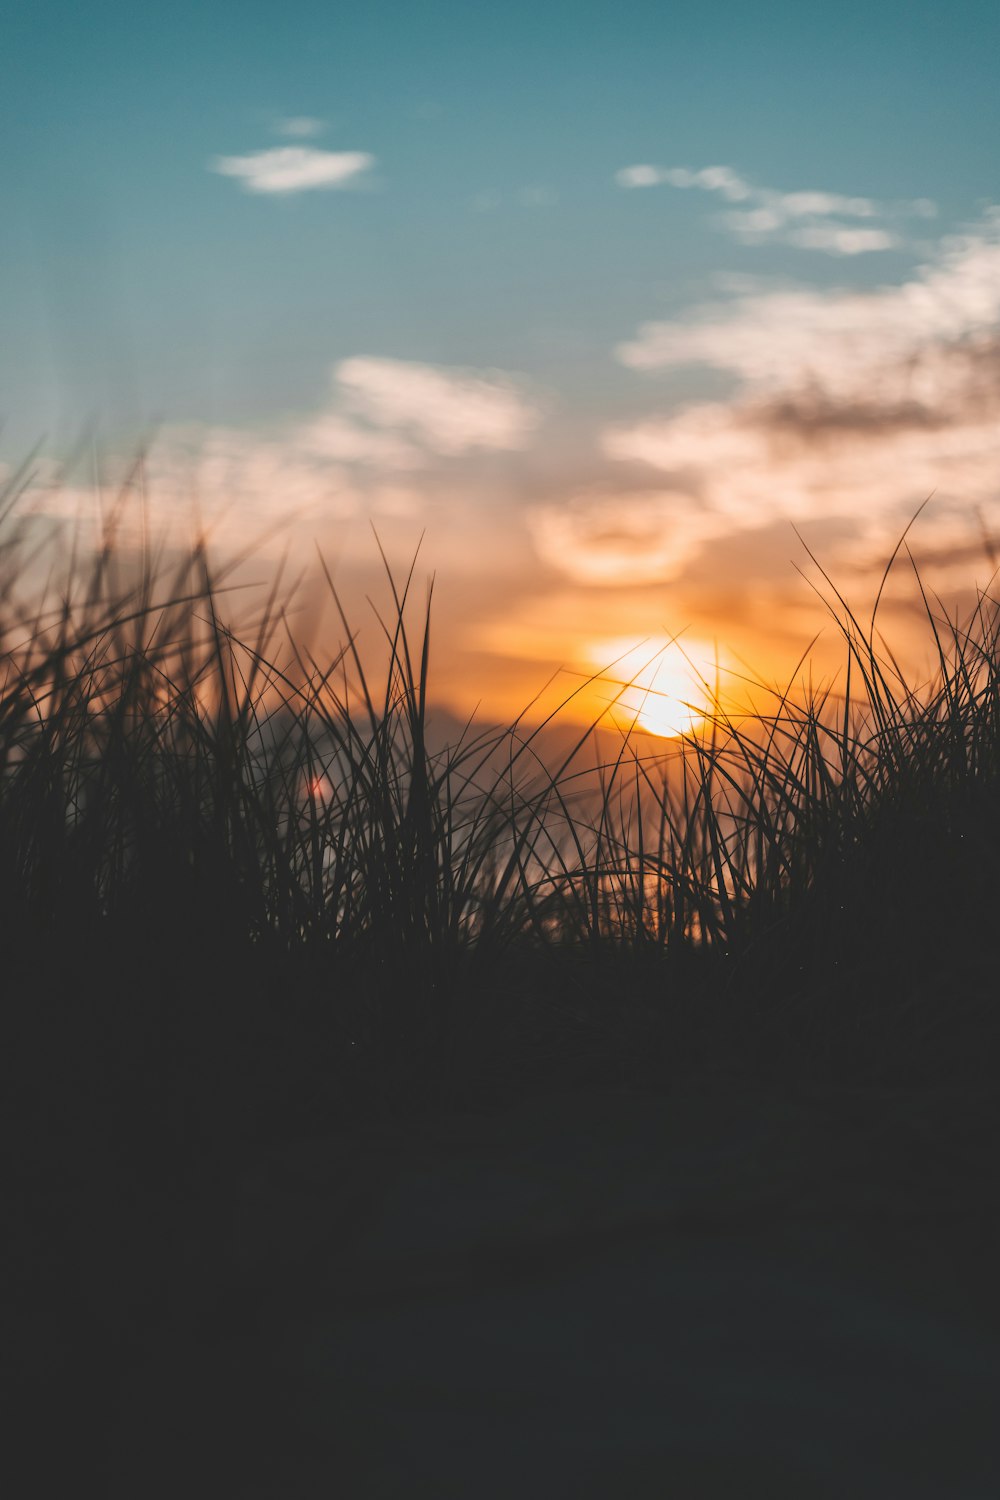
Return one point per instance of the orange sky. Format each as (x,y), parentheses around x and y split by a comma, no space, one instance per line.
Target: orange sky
(561,539)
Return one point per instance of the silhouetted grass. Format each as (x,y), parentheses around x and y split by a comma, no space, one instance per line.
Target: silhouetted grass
(247,895)
(243,887)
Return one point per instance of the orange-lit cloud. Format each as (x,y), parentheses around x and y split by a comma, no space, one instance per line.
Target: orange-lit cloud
(621,539)
(377,449)
(848,404)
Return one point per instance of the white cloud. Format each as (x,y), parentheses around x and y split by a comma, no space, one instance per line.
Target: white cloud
(640,176)
(448,410)
(300,125)
(335,435)
(753,223)
(811,205)
(839,239)
(836,338)
(294,169)
(721,180)
(758,224)
(713,179)
(808,219)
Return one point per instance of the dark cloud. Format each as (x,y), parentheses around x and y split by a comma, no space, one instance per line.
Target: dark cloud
(928,390)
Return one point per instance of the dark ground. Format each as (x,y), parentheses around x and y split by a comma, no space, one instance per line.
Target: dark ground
(728,1285)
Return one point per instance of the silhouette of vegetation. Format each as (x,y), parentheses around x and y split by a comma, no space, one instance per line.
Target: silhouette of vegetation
(244,887)
(249,898)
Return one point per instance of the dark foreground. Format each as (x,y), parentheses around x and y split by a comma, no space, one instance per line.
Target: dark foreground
(717,1291)
(382,1118)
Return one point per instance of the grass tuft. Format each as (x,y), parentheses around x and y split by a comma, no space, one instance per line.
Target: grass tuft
(241,881)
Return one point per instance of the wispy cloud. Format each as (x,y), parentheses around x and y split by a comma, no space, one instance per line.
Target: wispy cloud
(836,337)
(807,219)
(620,539)
(299,126)
(842,239)
(336,435)
(712,179)
(448,410)
(294,169)
(847,404)
(384,442)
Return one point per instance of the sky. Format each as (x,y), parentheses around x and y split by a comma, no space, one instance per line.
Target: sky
(605,303)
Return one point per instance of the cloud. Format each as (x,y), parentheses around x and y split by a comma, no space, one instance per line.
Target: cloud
(847,404)
(639,176)
(251,477)
(294,169)
(812,205)
(300,125)
(747,464)
(392,439)
(836,338)
(713,179)
(234,483)
(335,435)
(382,443)
(620,539)
(838,239)
(448,410)
(807,219)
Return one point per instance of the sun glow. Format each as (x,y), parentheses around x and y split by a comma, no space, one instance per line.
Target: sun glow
(318,788)
(664,687)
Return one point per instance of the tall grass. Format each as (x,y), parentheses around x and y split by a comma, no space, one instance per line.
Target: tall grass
(195,805)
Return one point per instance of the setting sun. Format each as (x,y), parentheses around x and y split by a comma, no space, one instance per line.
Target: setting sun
(662,686)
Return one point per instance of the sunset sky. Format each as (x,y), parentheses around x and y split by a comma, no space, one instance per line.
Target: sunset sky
(603,299)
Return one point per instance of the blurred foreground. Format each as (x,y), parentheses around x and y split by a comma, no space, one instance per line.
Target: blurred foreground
(437,1120)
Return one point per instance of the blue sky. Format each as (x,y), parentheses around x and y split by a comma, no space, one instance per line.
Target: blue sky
(479,261)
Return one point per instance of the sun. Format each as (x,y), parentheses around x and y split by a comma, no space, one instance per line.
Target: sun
(662,687)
